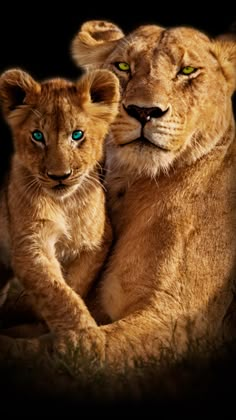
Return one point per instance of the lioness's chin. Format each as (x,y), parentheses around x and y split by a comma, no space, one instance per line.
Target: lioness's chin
(142,143)
(145,159)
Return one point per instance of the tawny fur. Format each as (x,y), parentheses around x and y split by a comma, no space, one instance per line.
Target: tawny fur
(171,164)
(54,229)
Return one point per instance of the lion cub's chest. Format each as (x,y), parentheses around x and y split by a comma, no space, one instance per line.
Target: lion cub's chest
(76,229)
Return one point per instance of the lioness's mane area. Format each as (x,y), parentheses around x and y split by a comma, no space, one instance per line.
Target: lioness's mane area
(167,288)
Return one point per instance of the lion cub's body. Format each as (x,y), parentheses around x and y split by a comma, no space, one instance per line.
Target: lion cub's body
(53,224)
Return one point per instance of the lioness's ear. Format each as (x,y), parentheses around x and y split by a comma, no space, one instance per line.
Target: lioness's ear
(100,91)
(15,86)
(94,42)
(225,51)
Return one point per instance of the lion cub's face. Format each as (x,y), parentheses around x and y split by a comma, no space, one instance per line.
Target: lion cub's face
(176,90)
(59,126)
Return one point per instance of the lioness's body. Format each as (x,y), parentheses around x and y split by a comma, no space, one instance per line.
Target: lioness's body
(53,225)
(184,275)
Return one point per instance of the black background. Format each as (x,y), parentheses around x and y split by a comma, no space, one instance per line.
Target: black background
(36,36)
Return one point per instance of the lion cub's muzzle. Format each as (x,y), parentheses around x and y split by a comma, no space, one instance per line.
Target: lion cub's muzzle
(60,178)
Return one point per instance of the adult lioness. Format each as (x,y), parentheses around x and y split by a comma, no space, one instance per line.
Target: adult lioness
(171,164)
(171,184)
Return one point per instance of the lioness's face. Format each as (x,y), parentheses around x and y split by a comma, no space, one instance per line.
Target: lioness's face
(58,126)
(175,95)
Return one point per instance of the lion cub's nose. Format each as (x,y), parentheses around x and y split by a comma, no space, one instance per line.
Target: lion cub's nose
(143,115)
(59,177)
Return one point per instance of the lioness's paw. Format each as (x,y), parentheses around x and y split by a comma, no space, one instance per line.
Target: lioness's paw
(8,347)
(23,348)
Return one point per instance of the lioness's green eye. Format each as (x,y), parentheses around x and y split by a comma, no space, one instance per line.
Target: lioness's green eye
(77,135)
(122,66)
(188,70)
(37,135)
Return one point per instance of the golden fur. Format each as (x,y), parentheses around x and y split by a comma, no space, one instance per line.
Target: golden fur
(54,230)
(171,165)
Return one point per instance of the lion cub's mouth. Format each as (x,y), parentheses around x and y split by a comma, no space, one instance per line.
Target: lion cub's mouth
(61,188)
(144,142)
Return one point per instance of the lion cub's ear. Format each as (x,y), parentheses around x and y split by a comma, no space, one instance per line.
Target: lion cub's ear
(16,89)
(99,90)
(94,42)
(225,51)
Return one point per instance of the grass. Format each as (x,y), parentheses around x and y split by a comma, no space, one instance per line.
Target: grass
(74,380)
(60,382)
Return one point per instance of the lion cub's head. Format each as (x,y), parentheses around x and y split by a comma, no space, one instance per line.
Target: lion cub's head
(176,86)
(58,126)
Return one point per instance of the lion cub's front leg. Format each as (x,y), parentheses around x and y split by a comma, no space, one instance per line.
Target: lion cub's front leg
(35,264)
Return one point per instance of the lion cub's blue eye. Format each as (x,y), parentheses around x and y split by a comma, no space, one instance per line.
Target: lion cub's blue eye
(77,135)
(122,66)
(37,135)
(187,70)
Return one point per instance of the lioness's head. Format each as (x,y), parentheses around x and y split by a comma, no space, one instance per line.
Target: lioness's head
(176,88)
(58,126)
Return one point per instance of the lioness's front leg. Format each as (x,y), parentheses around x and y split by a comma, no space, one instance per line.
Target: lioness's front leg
(82,272)
(18,315)
(23,349)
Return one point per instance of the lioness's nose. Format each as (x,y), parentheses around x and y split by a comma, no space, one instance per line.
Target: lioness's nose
(59,176)
(144,115)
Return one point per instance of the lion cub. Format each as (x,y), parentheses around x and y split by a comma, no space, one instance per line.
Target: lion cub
(54,233)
